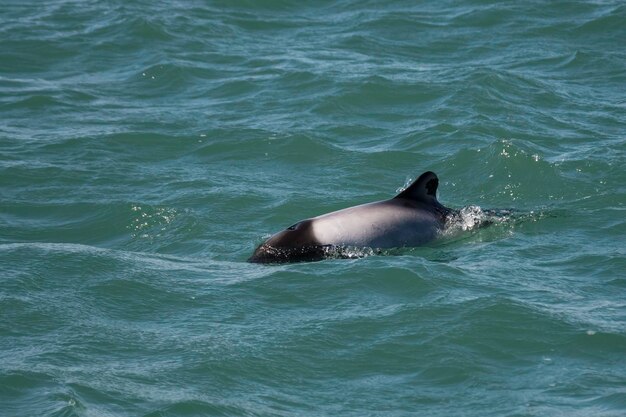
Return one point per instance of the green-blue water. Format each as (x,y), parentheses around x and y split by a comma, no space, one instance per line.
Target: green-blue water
(146,148)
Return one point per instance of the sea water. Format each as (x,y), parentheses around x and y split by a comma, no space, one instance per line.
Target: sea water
(147,147)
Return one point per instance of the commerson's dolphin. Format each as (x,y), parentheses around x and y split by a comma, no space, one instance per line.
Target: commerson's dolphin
(411,218)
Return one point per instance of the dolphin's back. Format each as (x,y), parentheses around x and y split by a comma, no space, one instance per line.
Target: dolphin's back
(384,224)
(411,218)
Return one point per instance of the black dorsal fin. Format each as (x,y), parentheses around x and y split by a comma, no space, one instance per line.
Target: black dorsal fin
(422,189)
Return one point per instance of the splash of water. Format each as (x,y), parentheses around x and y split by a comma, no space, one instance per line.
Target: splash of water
(473,217)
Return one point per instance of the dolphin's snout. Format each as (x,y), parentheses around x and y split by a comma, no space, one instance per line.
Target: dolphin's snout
(266,254)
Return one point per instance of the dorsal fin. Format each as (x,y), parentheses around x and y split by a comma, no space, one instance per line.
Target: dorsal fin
(422,189)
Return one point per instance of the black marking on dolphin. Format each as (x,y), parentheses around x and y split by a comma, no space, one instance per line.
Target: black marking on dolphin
(411,218)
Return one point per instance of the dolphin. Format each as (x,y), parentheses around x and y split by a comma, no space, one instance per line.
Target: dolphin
(411,218)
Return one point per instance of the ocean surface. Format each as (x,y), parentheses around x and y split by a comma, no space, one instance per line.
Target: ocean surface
(147,147)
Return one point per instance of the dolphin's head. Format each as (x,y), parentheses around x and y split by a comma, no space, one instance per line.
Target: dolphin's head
(295,243)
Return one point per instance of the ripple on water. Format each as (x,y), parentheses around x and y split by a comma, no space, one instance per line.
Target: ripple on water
(144,153)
